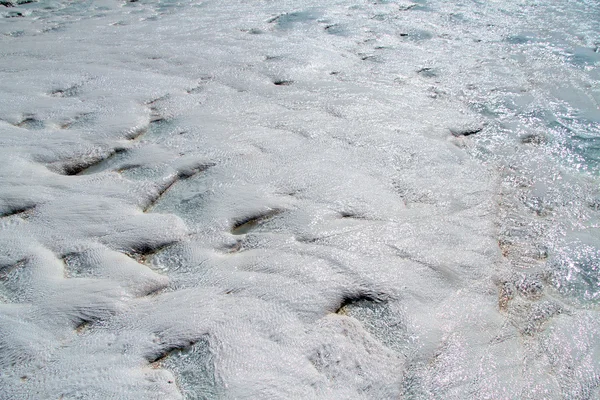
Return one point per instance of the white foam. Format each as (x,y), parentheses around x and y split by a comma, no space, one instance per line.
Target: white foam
(282,200)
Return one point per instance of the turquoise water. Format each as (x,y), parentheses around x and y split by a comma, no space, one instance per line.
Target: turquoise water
(538,89)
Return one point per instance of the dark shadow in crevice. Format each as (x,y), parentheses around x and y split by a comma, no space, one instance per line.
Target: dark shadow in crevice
(194,365)
(283,82)
(534,139)
(22,212)
(31,123)
(367,57)
(245,225)
(73,266)
(428,72)
(308,240)
(467,131)
(83,326)
(141,252)
(156,116)
(85,322)
(6,269)
(181,175)
(78,167)
(70,91)
(14,14)
(366,296)
(75,168)
(155,291)
(169,349)
(352,215)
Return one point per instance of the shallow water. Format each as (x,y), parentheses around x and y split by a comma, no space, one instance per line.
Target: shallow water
(292,200)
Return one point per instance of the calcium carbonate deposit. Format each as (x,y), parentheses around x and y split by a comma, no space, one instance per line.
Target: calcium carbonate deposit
(349,199)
